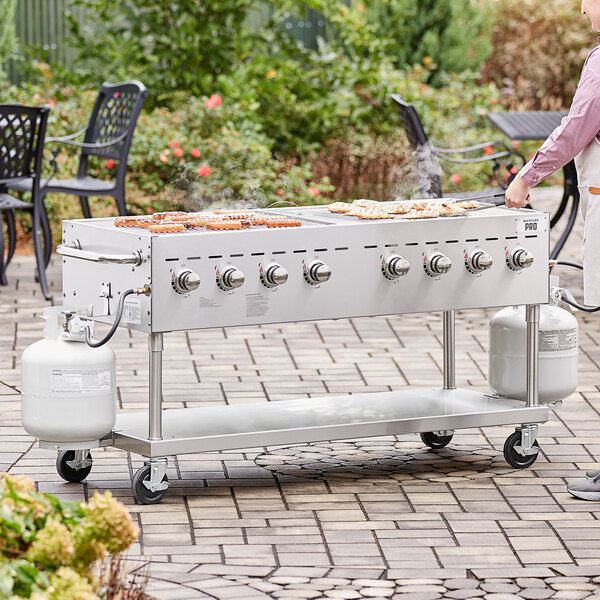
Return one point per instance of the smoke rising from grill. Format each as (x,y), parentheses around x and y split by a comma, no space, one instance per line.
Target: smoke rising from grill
(197,198)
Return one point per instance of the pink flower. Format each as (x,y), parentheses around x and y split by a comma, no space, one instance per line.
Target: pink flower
(313,191)
(109,164)
(214,101)
(174,144)
(116,94)
(279,192)
(488,150)
(203,170)
(163,158)
(516,143)
(178,152)
(195,152)
(455,177)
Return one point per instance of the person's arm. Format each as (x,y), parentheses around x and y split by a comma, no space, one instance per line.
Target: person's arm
(575,132)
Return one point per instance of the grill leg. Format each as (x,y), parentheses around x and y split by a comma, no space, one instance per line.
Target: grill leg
(155,347)
(449,351)
(533,354)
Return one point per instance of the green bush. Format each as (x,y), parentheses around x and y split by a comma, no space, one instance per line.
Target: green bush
(538,53)
(304,97)
(450,35)
(179,45)
(48,546)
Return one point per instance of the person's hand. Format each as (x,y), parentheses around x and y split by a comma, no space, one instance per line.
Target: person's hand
(517,193)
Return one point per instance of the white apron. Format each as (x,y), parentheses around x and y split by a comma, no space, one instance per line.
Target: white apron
(588,175)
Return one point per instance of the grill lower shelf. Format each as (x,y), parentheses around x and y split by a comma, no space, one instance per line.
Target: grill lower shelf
(353,416)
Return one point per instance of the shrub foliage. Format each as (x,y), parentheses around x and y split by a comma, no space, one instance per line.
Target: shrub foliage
(538,53)
(49,546)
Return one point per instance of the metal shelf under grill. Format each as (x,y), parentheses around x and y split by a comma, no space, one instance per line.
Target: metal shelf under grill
(210,428)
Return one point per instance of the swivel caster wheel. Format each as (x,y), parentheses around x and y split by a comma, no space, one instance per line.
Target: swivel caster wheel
(513,457)
(72,469)
(142,493)
(435,441)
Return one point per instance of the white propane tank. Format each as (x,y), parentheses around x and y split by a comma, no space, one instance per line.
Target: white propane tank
(68,393)
(558,345)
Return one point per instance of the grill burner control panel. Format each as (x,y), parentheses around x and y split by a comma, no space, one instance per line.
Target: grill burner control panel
(331,267)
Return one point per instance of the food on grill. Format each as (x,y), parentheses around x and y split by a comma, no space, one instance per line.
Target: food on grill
(395,208)
(365,203)
(422,214)
(202,220)
(234,216)
(167,215)
(422,205)
(166,227)
(126,221)
(264,219)
(468,204)
(370,213)
(183,218)
(145,223)
(339,207)
(449,209)
(284,223)
(222,225)
(220,220)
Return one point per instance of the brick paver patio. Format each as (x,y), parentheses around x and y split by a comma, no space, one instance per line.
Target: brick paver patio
(377,518)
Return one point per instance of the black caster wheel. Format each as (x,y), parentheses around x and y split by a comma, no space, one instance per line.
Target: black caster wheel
(434,441)
(514,458)
(141,493)
(67,472)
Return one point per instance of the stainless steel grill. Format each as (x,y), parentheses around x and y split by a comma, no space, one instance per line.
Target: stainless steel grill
(333,266)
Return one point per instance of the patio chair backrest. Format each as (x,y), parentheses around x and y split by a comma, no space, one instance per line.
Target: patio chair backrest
(22,135)
(115,113)
(426,161)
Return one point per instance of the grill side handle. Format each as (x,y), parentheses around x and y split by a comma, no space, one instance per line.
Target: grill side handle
(76,251)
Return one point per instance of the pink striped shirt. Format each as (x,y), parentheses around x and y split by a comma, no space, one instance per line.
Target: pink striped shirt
(575,131)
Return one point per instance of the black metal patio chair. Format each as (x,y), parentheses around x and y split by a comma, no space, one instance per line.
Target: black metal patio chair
(22,133)
(108,134)
(426,157)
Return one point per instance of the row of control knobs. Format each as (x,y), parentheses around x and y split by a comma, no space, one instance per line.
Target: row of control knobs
(231,277)
(318,272)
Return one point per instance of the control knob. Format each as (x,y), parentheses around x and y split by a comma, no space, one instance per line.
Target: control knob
(317,272)
(273,275)
(519,259)
(479,261)
(395,266)
(437,264)
(186,281)
(230,278)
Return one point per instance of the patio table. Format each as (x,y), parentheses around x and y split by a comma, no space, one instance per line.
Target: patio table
(538,125)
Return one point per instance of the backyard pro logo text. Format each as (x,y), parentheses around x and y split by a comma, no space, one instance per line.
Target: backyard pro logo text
(530,225)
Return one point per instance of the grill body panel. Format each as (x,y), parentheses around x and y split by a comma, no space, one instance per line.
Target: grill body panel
(353,250)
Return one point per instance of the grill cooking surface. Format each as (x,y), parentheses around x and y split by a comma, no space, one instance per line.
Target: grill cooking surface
(310,216)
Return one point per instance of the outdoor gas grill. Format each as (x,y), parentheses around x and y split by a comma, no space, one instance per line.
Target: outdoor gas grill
(332,267)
